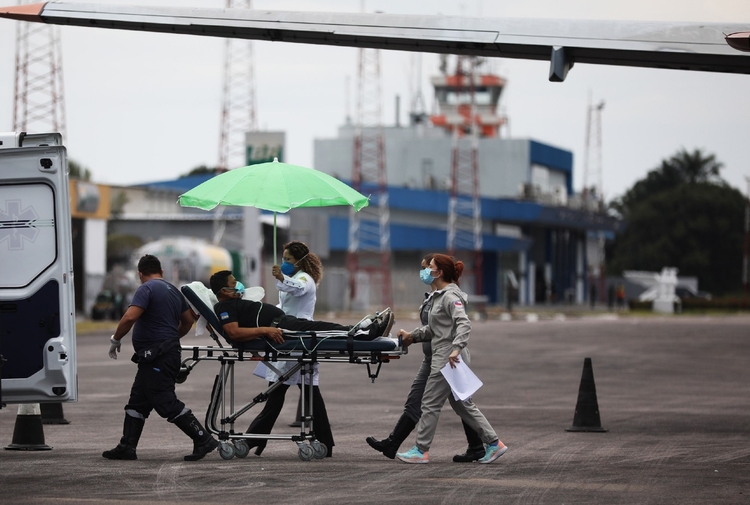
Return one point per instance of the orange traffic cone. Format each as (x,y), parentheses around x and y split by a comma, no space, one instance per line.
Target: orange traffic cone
(586,417)
(28,434)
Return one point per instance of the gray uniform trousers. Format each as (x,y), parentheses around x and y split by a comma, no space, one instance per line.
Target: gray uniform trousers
(413,405)
(436,392)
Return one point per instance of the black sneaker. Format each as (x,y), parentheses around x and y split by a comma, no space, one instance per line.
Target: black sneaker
(363,325)
(471,455)
(383,325)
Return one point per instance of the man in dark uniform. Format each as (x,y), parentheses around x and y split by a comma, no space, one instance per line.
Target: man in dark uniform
(161,316)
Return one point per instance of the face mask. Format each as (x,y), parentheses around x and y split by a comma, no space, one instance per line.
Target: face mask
(425,275)
(287,268)
(240,288)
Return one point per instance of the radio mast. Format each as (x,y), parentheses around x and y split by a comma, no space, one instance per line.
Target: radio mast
(369,251)
(39,98)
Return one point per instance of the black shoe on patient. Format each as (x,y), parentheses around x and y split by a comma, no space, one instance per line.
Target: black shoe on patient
(383,325)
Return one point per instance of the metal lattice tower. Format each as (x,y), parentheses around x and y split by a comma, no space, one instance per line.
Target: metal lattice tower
(369,249)
(592,162)
(39,103)
(464,210)
(237,110)
(593,186)
(238,107)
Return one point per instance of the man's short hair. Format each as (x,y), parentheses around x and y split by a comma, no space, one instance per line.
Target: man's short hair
(149,265)
(220,280)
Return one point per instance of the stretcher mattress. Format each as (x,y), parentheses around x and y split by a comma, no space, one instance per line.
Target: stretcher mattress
(306,343)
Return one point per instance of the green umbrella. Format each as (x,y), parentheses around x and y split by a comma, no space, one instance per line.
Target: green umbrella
(273,186)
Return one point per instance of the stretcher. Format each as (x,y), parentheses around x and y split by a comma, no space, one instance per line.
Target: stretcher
(305,349)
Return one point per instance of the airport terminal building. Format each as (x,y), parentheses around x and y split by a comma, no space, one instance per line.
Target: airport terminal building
(540,241)
(533,224)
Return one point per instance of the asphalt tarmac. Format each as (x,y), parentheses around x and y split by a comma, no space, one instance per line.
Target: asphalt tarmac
(673,393)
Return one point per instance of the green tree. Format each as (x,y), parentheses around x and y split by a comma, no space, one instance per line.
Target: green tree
(201,170)
(78,171)
(683,215)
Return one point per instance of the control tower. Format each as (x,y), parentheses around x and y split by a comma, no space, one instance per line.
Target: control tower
(454,95)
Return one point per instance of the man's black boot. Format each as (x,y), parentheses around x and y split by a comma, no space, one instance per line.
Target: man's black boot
(203,442)
(389,446)
(474,451)
(131,433)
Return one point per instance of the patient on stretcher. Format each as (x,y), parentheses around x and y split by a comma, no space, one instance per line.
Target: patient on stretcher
(244,320)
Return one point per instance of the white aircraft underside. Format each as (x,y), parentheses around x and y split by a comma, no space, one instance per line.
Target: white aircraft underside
(711,47)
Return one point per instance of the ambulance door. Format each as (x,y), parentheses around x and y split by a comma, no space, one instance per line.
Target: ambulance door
(37,309)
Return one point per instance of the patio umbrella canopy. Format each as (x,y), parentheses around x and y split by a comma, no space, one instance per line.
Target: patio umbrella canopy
(273,186)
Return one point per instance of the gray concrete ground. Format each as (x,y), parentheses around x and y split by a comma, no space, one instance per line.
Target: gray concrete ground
(673,393)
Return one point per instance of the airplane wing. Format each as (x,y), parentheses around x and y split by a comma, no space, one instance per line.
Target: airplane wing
(707,47)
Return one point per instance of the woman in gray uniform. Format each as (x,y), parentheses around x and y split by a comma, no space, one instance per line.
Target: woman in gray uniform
(413,406)
(448,329)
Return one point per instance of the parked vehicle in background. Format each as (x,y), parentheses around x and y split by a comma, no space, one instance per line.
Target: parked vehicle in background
(108,305)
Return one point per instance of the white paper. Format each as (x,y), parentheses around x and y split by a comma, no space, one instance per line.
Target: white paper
(260,370)
(462,380)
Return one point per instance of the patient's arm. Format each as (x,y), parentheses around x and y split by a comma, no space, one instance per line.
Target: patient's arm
(239,334)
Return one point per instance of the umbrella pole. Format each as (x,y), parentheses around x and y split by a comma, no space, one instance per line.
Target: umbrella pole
(274,238)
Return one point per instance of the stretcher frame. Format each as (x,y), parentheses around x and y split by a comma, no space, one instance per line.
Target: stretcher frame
(304,348)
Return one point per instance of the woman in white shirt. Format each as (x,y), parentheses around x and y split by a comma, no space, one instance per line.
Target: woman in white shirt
(297,279)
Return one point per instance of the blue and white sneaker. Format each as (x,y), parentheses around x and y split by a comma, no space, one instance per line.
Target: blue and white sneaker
(493,451)
(414,455)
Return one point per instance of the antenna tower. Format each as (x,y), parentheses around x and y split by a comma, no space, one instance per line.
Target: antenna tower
(237,110)
(592,162)
(592,184)
(369,249)
(39,103)
(238,104)
(465,210)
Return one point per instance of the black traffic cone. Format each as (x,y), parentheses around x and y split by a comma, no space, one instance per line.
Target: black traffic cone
(28,434)
(586,417)
(52,413)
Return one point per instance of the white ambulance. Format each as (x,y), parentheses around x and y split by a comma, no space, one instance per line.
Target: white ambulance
(37,306)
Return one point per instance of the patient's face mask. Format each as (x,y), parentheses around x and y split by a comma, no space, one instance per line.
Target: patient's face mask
(425,275)
(240,288)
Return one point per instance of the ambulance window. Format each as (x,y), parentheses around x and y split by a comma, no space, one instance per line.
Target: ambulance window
(27,232)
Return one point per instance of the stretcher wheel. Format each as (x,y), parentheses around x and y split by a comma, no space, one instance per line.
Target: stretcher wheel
(241,448)
(226,451)
(320,451)
(306,453)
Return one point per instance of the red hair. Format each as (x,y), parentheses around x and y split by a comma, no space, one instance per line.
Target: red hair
(452,269)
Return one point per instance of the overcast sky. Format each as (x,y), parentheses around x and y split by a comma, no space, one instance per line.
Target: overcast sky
(144,107)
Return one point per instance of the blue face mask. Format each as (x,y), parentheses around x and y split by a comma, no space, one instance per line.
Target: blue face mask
(240,288)
(287,268)
(425,276)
